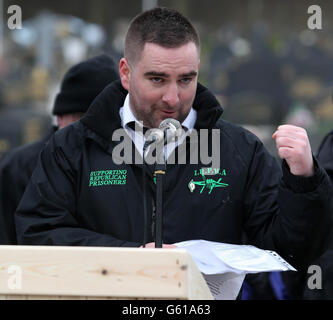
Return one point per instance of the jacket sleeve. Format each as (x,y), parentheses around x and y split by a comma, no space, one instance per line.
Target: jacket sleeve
(292,214)
(5,219)
(325,154)
(46,213)
(13,180)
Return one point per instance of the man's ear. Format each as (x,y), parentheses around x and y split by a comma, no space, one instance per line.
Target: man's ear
(124,72)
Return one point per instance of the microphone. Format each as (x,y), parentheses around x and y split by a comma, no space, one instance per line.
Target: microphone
(172,129)
(167,131)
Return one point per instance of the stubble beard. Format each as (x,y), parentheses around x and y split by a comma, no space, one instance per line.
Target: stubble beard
(148,118)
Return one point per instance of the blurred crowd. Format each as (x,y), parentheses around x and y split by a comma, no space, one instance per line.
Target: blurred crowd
(265,80)
(261,78)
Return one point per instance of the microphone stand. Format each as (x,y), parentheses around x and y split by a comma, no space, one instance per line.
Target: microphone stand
(160,170)
(145,213)
(159,173)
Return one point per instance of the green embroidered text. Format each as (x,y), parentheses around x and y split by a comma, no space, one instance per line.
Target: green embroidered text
(107,177)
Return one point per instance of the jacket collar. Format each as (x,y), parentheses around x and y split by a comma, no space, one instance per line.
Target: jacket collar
(103,114)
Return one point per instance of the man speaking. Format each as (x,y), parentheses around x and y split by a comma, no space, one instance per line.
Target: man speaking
(286,209)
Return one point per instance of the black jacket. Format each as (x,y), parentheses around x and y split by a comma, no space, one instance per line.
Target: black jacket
(325,154)
(63,206)
(325,262)
(16,168)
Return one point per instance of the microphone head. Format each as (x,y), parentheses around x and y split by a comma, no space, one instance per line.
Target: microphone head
(170,123)
(172,127)
(167,131)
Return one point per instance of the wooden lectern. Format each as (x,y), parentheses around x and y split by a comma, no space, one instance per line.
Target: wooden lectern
(51,272)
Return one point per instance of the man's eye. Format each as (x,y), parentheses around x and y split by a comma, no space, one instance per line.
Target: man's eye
(156,80)
(186,80)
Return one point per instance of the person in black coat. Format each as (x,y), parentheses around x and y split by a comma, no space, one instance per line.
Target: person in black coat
(297,284)
(87,186)
(80,86)
(324,286)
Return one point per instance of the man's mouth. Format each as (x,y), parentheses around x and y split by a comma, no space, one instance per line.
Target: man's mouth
(169,113)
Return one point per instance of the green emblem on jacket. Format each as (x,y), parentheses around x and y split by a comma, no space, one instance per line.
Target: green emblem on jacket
(207,182)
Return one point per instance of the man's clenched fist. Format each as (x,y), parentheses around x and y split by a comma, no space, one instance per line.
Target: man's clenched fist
(293,145)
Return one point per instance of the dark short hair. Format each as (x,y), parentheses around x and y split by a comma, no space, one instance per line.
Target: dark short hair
(165,27)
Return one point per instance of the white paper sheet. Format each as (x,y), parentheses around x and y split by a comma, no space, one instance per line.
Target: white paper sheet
(224,265)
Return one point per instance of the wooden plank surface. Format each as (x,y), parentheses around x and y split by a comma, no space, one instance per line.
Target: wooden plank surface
(86,272)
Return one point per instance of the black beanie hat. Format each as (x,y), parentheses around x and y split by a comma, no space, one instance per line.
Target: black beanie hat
(82,83)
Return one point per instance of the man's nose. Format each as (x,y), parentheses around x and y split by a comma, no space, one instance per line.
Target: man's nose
(171,95)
